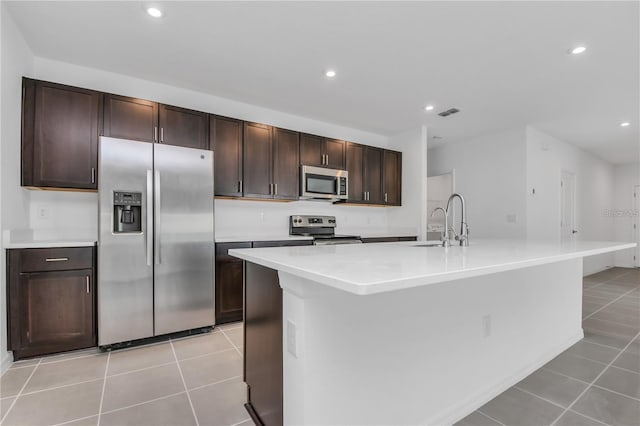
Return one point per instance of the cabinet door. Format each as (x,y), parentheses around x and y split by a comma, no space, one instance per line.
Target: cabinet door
(229,283)
(257,161)
(130,118)
(60,135)
(184,127)
(392,177)
(286,160)
(226,142)
(373,174)
(334,153)
(355,167)
(57,310)
(311,150)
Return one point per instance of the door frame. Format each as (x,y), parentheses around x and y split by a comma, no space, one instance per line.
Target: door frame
(636,223)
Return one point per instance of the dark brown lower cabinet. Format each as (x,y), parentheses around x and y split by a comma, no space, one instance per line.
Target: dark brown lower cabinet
(51,300)
(263,345)
(229,274)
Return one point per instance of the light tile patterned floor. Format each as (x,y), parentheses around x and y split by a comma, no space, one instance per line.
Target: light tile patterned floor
(596,381)
(189,381)
(198,380)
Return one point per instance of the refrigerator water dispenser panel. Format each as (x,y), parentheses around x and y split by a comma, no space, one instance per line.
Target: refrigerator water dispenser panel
(127,212)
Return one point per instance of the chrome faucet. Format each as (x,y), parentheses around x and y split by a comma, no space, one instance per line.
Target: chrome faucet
(445,235)
(463,237)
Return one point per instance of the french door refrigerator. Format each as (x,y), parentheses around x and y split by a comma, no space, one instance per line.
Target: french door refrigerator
(156,246)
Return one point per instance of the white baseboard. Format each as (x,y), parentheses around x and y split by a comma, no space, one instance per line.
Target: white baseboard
(6,362)
(459,411)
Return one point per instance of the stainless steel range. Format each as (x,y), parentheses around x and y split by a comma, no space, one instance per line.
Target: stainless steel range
(321,228)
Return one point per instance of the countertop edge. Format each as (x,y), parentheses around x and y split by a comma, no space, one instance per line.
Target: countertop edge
(421,280)
(48,244)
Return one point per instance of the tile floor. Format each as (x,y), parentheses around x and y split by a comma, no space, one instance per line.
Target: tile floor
(198,380)
(189,381)
(596,381)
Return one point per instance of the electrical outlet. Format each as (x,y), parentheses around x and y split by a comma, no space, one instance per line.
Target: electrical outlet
(512,218)
(486,326)
(262,217)
(292,343)
(43,213)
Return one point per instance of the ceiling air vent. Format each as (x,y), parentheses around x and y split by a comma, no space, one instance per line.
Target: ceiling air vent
(449,112)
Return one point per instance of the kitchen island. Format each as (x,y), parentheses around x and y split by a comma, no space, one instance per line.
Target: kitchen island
(404,333)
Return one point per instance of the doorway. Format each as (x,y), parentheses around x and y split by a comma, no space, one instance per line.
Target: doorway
(568,228)
(636,223)
(439,188)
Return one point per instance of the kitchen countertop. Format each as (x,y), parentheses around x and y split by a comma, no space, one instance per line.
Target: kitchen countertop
(238,238)
(48,244)
(376,268)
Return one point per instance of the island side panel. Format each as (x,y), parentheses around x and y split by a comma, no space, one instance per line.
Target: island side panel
(263,344)
(421,355)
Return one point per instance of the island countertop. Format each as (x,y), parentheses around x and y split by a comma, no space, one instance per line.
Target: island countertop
(364,269)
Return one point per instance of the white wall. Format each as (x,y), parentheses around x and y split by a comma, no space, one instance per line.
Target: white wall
(16,61)
(623,211)
(490,174)
(547,157)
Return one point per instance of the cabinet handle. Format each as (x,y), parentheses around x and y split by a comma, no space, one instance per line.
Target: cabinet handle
(93,175)
(161,134)
(275,189)
(155,133)
(56,259)
(88,284)
(327,161)
(385,197)
(240,186)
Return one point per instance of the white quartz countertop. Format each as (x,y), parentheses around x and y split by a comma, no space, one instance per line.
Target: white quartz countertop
(48,244)
(238,238)
(376,268)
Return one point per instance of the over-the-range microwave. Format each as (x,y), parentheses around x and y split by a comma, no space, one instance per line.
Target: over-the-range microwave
(318,183)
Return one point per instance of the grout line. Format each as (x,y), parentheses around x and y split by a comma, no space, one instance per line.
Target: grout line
(608,304)
(540,397)
(137,404)
(207,354)
(184,383)
(616,392)
(595,380)
(244,421)
(61,386)
(75,420)
(565,375)
(600,344)
(636,327)
(104,385)
(489,417)
(215,383)
(232,344)
(164,364)
(20,393)
(589,417)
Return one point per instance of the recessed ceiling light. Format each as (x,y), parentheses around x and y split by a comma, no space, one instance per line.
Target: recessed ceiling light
(577,50)
(155,12)
(625,124)
(428,108)
(330,73)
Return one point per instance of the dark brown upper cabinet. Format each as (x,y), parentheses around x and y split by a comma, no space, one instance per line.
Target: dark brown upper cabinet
(392,178)
(184,127)
(286,160)
(355,167)
(130,118)
(226,142)
(364,164)
(270,162)
(146,121)
(323,152)
(59,135)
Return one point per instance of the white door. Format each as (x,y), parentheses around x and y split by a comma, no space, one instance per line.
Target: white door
(568,229)
(636,221)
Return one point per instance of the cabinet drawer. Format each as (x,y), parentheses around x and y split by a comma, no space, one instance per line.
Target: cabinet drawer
(56,259)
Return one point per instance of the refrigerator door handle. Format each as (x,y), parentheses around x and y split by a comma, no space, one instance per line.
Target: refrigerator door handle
(148,237)
(156,209)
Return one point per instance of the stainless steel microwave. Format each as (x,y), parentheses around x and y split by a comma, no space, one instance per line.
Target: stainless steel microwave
(323,184)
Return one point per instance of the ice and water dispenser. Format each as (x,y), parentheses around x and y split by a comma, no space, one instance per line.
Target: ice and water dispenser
(127,212)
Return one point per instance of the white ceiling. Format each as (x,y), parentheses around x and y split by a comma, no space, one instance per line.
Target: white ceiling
(503,64)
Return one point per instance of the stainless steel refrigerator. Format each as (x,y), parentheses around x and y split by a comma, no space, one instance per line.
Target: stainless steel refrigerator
(156,246)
